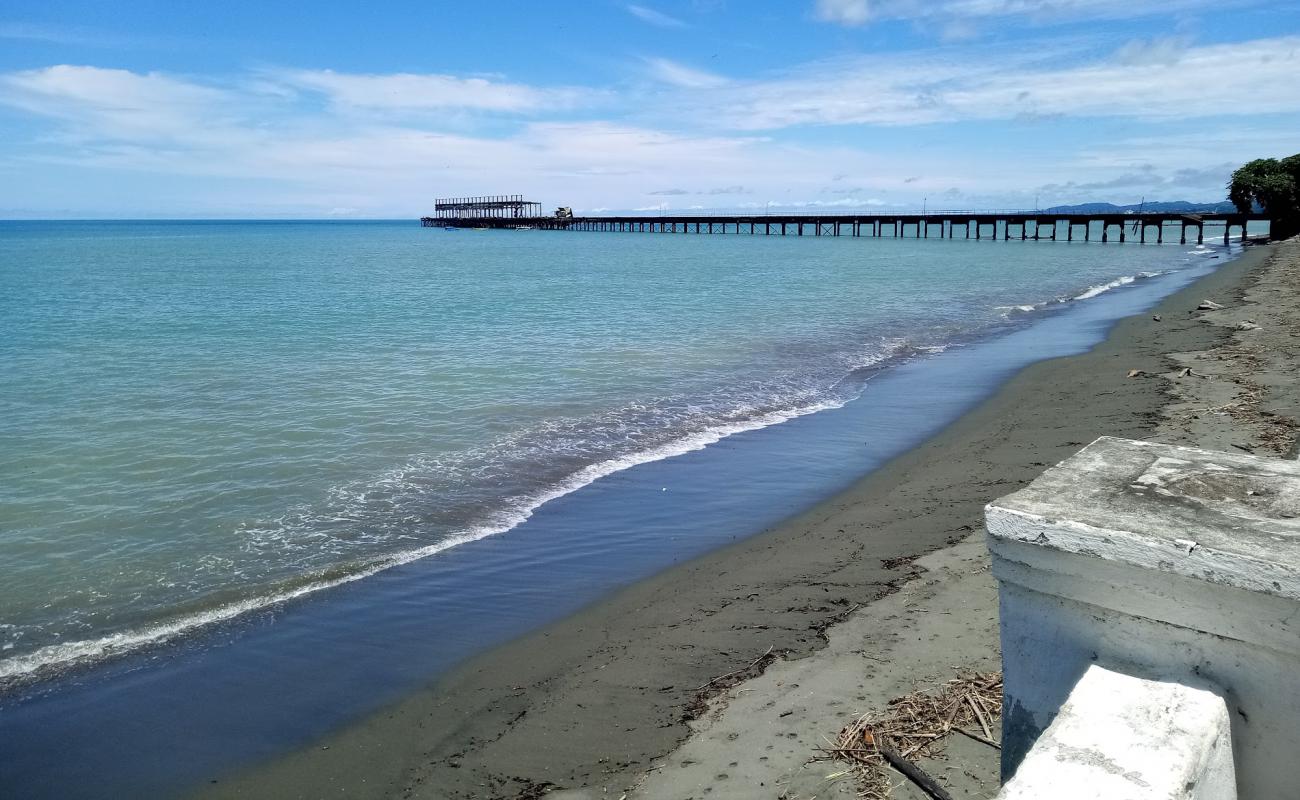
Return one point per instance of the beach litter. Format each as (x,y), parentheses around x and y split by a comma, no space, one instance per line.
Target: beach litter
(915,726)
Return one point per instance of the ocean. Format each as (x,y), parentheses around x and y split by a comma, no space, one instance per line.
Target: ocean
(201,419)
(259,480)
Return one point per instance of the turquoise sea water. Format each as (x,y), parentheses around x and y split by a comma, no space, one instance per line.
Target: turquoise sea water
(198,418)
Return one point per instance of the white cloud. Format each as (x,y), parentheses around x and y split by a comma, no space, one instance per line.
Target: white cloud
(43,33)
(1162,51)
(843,12)
(117,102)
(859,12)
(655,17)
(682,76)
(1235,142)
(425,92)
(193,141)
(370,151)
(82,36)
(950,86)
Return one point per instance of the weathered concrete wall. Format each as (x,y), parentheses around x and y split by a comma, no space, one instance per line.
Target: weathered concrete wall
(1124,738)
(1164,563)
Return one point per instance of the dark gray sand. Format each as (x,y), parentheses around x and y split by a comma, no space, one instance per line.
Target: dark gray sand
(760,737)
(596,701)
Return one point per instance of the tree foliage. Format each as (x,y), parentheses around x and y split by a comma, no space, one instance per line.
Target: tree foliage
(1268,183)
(1271,185)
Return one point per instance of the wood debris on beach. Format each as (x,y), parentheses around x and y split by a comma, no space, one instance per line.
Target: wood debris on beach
(1273,431)
(915,726)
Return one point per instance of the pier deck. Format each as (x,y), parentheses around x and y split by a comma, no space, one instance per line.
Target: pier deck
(1023,226)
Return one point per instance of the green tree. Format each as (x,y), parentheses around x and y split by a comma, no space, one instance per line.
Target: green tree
(1273,185)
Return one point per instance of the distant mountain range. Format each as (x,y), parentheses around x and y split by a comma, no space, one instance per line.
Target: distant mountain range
(1176,207)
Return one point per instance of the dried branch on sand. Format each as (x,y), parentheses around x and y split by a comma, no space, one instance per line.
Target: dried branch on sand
(915,726)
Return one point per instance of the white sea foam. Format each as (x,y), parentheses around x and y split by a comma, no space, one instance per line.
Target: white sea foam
(465,488)
(1086,294)
(52,657)
(349,504)
(1024,309)
(1125,280)
(1093,291)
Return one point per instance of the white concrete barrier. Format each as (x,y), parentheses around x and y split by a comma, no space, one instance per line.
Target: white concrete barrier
(1124,738)
(1163,563)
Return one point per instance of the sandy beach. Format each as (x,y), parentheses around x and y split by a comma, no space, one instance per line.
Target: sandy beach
(878,591)
(675,400)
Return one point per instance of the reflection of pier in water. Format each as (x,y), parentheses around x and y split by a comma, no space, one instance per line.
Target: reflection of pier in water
(1022,226)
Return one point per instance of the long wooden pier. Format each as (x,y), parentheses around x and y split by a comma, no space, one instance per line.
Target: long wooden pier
(1020,226)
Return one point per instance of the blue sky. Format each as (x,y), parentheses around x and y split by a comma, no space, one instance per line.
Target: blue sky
(241,109)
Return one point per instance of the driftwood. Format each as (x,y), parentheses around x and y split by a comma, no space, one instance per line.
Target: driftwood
(745,668)
(977,738)
(915,774)
(979,715)
(915,726)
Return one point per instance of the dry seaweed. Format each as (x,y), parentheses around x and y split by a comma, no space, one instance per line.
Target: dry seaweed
(915,726)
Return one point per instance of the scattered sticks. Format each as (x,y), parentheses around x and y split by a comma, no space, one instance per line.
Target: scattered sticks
(915,726)
(977,738)
(914,773)
(743,669)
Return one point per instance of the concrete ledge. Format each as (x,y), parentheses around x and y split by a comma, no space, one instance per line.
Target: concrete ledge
(1222,518)
(1123,738)
(1166,564)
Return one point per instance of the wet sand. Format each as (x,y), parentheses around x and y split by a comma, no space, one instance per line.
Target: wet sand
(760,738)
(591,704)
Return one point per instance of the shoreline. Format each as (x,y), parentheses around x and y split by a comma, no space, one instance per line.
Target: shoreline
(288,677)
(593,700)
(76,657)
(1238,395)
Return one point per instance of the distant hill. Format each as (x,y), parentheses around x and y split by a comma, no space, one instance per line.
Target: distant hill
(1176,207)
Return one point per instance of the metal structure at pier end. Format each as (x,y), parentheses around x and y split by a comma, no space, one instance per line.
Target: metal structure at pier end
(500,207)
(1009,225)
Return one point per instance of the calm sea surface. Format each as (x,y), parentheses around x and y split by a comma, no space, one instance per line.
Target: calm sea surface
(200,418)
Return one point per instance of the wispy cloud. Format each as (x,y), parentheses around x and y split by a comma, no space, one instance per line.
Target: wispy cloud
(854,13)
(1147,179)
(117,102)
(82,36)
(428,92)
(1162,51)
(715,191)
(323,141)
(951,86)
(174,126)
(1170,151)
(318,159)
(655,17)
(44,33)
(842,12)
(680,75)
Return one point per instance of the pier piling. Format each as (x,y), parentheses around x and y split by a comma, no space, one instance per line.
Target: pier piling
(513,211)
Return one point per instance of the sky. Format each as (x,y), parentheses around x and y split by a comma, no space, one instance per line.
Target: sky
(345,110)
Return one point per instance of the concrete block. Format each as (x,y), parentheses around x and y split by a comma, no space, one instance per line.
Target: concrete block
(1124,738)
(1163,563)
